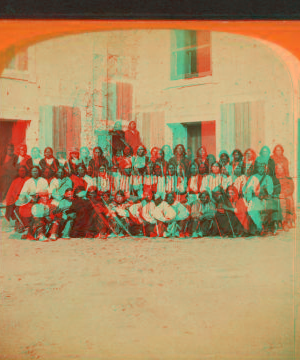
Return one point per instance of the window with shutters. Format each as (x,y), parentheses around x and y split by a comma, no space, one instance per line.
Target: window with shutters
(117,101)
(19,62)
(21,65)
(152,128)
(241,125)
(59,127)
(190,54)
(117,88)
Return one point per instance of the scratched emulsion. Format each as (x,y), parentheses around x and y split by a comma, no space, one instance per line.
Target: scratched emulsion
(147,185)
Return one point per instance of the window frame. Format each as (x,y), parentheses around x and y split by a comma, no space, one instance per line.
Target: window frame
(175,50)
(22,75)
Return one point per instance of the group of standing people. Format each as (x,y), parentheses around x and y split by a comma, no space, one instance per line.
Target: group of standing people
(147,193)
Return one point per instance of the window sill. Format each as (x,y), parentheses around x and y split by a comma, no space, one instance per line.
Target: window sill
(15,75)
(194,81)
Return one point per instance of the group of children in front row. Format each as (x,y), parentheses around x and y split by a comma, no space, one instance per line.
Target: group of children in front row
(167,199)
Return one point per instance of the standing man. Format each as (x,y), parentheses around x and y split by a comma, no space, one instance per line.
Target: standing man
(117,138)
(132,136)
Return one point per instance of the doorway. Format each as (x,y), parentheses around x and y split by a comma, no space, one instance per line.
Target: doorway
(12,132)
(202,134)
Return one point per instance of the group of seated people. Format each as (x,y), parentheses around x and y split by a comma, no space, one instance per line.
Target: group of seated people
(134,194)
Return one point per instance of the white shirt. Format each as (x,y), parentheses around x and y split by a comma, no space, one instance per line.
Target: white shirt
(240,182)
(161,187)
(20,159)
(55,185)
(181,212)
(171,183)
(102,183)
(115,181)
(253,186)
(181,184)
(227,181)
(36,162)
(49,161)
(193,183)
(32,187)
(164,212)
(139,162)
(62,162)
(89,181)
(210,182)
(125,184)
(135,210)
(148,212)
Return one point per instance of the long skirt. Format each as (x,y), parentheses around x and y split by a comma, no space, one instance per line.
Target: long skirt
(208,227)
(288,209)
(272,210)
(228,223)
(85,223)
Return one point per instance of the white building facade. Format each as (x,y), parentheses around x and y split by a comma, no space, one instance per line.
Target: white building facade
(222,90)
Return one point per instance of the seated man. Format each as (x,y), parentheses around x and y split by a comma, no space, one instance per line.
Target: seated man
(118,215)
(238,207)
(63,216)
(226,220)
(84,224)
(41,216)
(255,191)
(173,215)
(101,207)
(81,179)
(142,214)
(202,221)
(23,215)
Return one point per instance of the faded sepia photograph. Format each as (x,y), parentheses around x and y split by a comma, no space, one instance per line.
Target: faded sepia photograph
(149,197)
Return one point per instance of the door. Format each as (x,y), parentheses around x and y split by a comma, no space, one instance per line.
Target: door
(194,138)
(12,132)
(202,134)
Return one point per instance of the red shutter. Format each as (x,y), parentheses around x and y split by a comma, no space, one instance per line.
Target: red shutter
(124,101)
(76,118)
(71,129)
(66,128)
(204,53)
(55,129)
(59,128)
(23,60)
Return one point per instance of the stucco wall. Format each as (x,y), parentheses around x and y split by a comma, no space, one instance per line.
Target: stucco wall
(243,70)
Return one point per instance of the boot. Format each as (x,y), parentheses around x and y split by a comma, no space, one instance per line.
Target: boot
(42,237)
(54,231)
(24,235)
(66,231)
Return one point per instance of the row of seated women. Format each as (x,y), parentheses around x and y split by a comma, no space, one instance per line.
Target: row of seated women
(175,200)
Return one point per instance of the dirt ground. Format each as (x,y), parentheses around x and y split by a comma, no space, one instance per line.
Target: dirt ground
(141,298)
